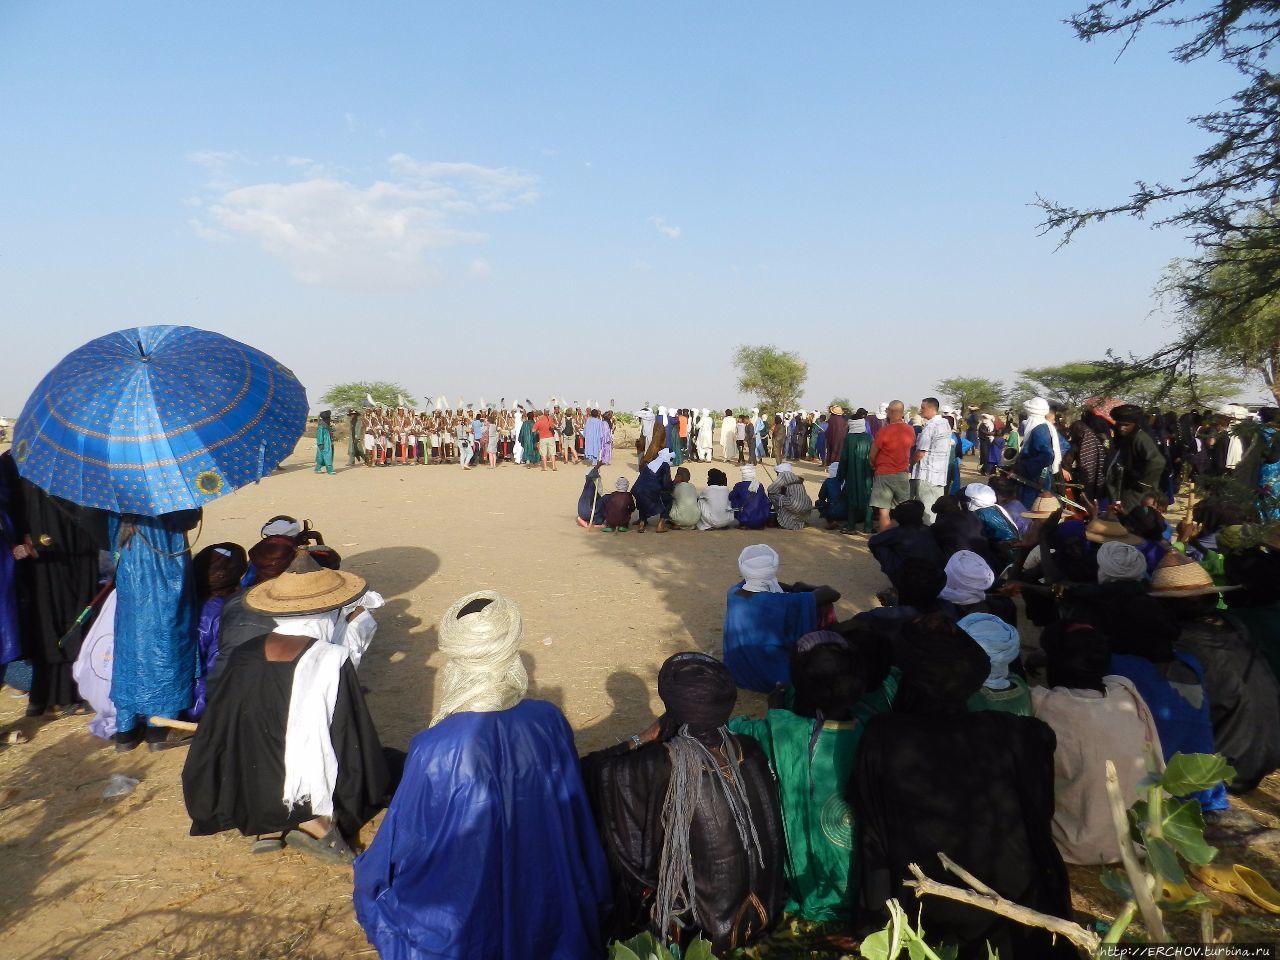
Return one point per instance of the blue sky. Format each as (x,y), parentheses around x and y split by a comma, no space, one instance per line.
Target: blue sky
(592,200)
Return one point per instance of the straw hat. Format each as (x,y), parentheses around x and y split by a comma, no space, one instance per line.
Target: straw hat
(1109,531)
(305,588)
(1180,576)
(1046,505)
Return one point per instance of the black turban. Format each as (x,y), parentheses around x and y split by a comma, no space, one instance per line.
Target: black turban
(828,675)
(218,569)
(942,667)
(1129,413)
(1078,656)
(271,556)
(697,690)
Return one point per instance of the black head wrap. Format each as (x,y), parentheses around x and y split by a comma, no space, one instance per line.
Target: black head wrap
(218,569)
(717,478)
(1146,522)
(1139,625)
(1129,413)
(271,556)
(942,667)
(828,675)
(909,513)
(697,690)
(918,582)
(947,504)
(1078,656)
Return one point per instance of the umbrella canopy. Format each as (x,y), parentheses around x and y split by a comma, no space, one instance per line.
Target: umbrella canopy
(150,420)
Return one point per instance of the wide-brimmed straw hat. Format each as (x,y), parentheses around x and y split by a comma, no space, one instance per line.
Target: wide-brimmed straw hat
(1180,576)
(1109,531)
(305,588)
(1046,505)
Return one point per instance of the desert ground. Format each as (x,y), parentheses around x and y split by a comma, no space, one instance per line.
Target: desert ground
(90,878)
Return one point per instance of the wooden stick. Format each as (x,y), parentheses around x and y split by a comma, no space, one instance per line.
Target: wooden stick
(953,867)
(1085,940)
(1138,879)
(175,724)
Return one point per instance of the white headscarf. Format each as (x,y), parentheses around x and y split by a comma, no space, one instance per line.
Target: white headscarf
(968,578)
(979,495)
(749,475)
(784,467)
(319,625)
(663,456)
(998,640)
(1120,561)
(833,469)
(758,565)
(1037,408)
(484,673)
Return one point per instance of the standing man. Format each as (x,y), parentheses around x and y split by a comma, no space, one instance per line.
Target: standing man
(324,443)
(704,435)
(728,429)
(854,472)
(355,440)
(891,461)
(545,428)
(837,430)
(932,457)
(1136,463)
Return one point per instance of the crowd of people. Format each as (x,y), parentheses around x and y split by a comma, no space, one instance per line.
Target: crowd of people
(1035,623)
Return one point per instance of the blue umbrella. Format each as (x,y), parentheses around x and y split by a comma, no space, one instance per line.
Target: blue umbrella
(150,420)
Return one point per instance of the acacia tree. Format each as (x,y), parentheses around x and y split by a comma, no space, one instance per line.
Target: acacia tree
(1224,202)
(976,391)
(776,377)
(354,394)
(1078,381)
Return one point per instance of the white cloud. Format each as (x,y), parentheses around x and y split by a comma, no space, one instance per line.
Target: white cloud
(217,166)
(667,230)
(480,269)
(332,232)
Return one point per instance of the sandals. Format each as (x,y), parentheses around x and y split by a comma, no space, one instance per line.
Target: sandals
(331,848)
(267,844)
(1240,880)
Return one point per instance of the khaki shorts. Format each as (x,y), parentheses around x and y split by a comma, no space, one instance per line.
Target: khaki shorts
(547,448)
(890,489)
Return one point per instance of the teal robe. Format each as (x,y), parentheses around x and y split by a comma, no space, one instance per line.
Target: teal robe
(857,475)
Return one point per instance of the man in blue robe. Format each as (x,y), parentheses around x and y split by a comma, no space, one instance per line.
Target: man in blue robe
(488,850)
(154,669)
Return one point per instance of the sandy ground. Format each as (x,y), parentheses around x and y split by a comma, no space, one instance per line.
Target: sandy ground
(85,877)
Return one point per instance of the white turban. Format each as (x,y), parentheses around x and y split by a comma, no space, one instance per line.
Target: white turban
(979,495)
(784,467)
(968,578)
(662,411)
(758,565)
(1000,642)
(1036,407)
(282,527)
(1120,561)
(621,484)
(749,475)
(480,634)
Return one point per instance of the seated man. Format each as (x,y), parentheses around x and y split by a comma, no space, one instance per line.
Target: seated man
(750,500)
(684,501)
(689,816)
(908,539)
(812,748)
(268,558)
(832,504)
(789,499)
(931,776)
(618,507)
(764,618)
(713,503)
(1001,644)
(999,527)
(1096,717)
(653,490)
(286,745)
(590,502)
(955,528)
(968,579)
(217,570)
(488,851)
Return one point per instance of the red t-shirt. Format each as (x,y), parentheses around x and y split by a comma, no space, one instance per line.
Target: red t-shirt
(545,427)
(894,443)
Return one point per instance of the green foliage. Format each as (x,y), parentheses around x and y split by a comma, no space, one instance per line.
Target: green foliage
(343,395)
(963,391)
(776,377)
(899,938)
(1187,773)
(647,947)
(1080,380)
(843,402)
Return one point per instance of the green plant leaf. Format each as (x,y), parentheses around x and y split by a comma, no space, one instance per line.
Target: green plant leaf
(620,951)
(1163,859)
(951,951)
(699,950)
(1184,829)
(1179,906)
(875,946)
(1117,883)
(991,954)
(917,950)
(1187,773)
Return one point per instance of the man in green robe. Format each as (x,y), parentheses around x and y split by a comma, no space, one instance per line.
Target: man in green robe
(812,748)
(529,442)
(355,442)
(856,473)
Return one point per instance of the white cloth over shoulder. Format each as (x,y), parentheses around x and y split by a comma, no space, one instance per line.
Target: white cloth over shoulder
(357,634)
(310,763)
(758,565)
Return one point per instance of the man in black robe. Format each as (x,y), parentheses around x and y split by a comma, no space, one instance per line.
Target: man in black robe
(264,760)
(1136,463)
(932,777)
(57,577)
(688,795)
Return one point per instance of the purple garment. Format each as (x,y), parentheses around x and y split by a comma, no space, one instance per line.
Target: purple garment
(837,430)
(1154,552)
(207,641)
(606,446)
